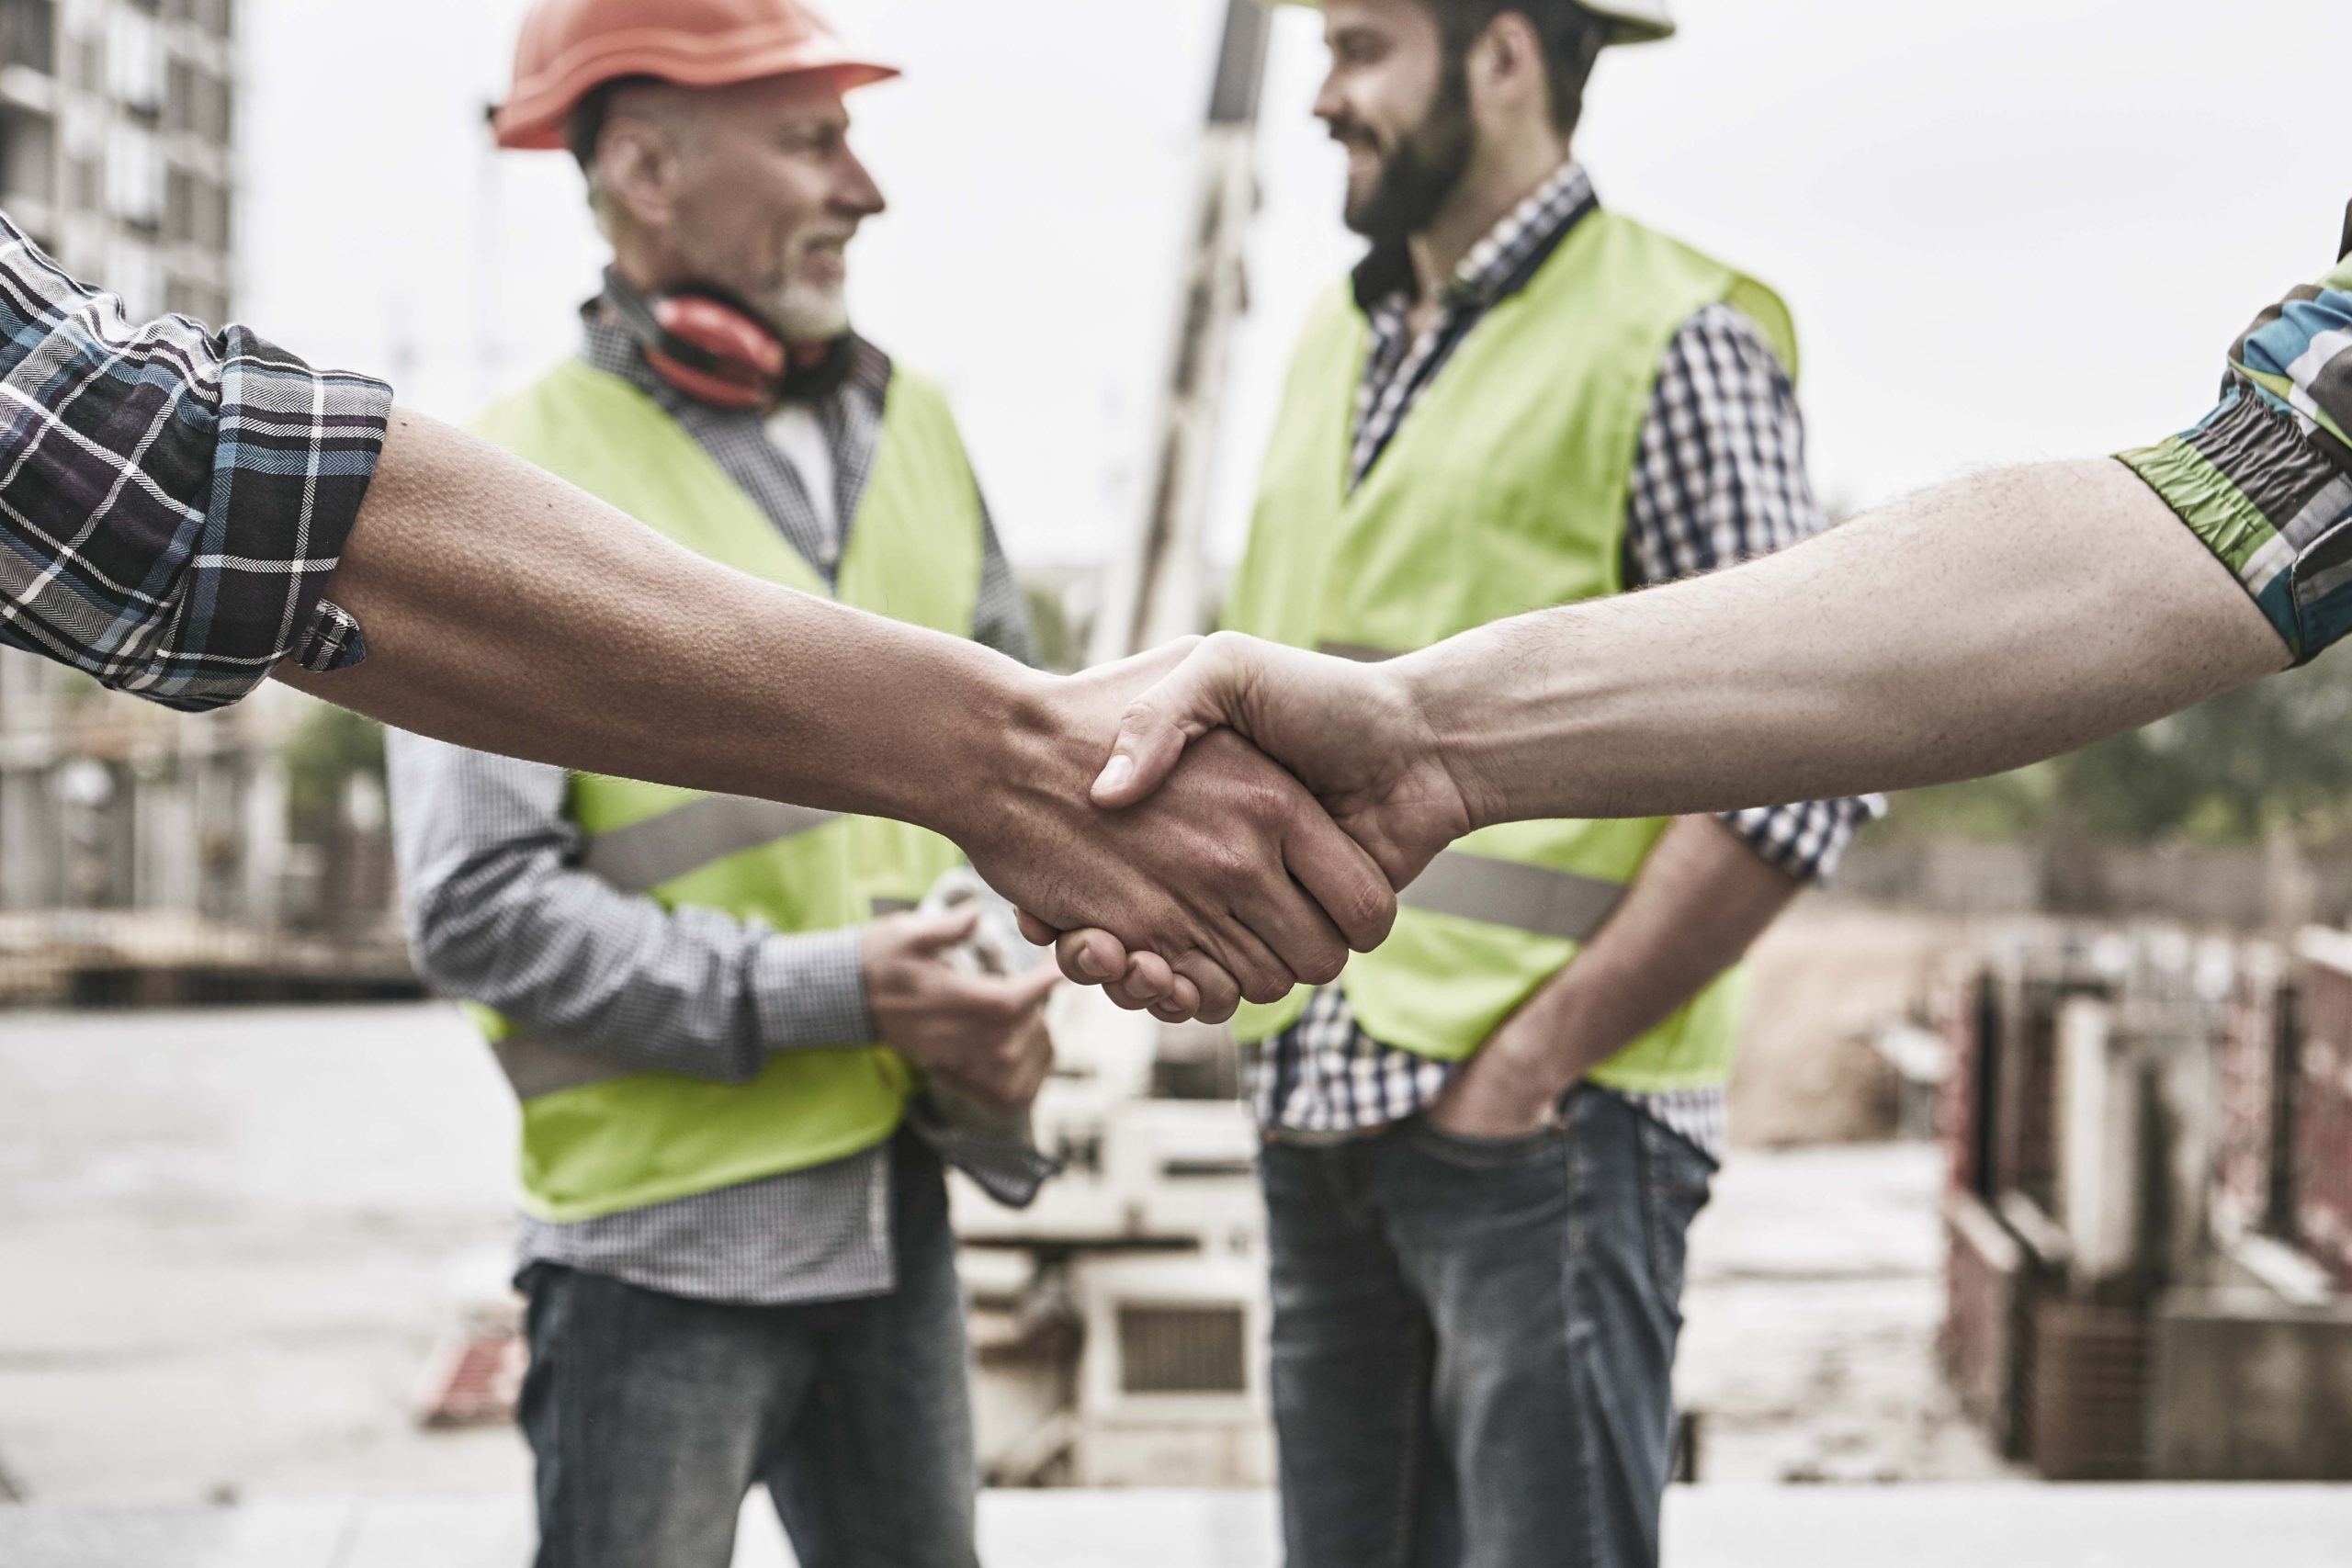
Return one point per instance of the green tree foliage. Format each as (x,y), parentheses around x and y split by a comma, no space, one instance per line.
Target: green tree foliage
(324,752)
(2275,755)
(1061,643)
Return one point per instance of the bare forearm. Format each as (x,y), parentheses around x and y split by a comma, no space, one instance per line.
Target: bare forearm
(1974,627)
(508,612)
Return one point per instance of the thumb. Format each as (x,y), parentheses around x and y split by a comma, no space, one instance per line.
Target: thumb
(935,931)
(1032,985)
(1195,697)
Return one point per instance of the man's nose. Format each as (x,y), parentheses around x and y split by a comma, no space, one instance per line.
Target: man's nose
(857,196)
(1330,106)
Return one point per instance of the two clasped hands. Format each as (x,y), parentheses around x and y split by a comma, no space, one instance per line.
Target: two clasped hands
(1258,806)
(1280,799)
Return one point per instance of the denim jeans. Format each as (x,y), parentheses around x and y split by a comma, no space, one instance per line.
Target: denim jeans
(1473,1341)
(651,1416)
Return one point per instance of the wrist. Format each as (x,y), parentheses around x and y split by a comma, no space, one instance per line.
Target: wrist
(1439,686)
(811,989)
(1000,741)
(1540,1048)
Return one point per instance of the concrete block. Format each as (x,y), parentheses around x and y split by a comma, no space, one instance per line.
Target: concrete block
(2250,1387)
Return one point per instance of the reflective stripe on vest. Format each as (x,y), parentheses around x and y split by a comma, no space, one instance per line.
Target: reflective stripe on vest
(1499,892)
(1506,491)
(1356,655)
(636,859)
(662,848)
(535,1066)
(596,1140)
(1511,893)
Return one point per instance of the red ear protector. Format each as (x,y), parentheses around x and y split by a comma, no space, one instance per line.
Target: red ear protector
(716,349)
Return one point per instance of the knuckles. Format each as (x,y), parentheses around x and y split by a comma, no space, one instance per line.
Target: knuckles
(1323,966)
(1264,988)
(1370,918)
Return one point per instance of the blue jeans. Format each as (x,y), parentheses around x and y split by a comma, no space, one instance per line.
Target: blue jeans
(1473,1341)
(651,1416)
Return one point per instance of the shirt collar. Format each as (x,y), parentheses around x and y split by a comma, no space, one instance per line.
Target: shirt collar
(1501,264)
(607,345)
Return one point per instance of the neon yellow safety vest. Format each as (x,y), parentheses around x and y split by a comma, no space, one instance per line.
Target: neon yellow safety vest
(1503,490)
(597,1139)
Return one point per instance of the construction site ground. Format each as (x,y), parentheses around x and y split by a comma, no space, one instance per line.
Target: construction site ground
(1706,1526)
(235,1241)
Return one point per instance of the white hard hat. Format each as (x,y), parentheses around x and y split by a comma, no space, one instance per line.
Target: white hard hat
(1638,21)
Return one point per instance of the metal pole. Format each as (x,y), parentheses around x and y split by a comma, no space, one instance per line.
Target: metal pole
(1155,589)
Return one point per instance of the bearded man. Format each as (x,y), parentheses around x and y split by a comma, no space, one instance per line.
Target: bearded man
(1484,1141)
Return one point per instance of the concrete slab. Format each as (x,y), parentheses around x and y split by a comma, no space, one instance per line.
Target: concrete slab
(1814,1299)
(2016,1526)
(235,1237)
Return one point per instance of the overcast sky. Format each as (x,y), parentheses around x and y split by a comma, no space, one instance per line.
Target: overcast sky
(2010,229)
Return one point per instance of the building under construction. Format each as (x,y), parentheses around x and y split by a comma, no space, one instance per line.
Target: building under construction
(118,149)
(146,855)
(2150,1205)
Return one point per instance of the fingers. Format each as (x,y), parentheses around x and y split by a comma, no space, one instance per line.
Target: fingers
(1037,932)
(1027,991)
(1143,980)
(1342,878)
(1298,941)
(992,1000)
(1090,957)
(1150,985)
(1250,960)
(1037,1064)
(1219,995)
(1195,697)
(1013,1074)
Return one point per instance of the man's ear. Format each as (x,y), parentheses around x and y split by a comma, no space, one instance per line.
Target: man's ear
(1505,69)
(637,165)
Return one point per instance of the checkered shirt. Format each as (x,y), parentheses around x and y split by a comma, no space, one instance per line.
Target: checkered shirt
(500,911)
(1719,477)
(2266,479)
(172,500)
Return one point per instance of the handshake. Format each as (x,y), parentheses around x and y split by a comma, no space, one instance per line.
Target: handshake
(1218,820)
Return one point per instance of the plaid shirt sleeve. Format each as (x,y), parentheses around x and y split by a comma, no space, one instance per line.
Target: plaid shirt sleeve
(2266,479)
(171,500)
(1720,478)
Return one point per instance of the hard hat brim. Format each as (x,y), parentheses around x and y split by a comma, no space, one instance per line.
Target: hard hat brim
(532,120)
(1631,28)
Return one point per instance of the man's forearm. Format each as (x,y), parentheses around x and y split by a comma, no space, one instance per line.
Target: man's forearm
(500,912)
(1974,627)
(504,610)
(508,612)
(1703,894)
(1703,897)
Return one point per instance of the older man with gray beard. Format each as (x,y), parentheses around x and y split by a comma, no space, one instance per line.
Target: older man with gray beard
(715,1011)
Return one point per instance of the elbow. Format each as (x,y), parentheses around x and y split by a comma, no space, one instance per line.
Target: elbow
(447,956)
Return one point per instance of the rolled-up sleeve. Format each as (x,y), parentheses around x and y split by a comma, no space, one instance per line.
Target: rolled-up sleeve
(173,500)
(2265,480)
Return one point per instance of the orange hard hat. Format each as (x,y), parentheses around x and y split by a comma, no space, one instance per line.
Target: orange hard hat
(570,48)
